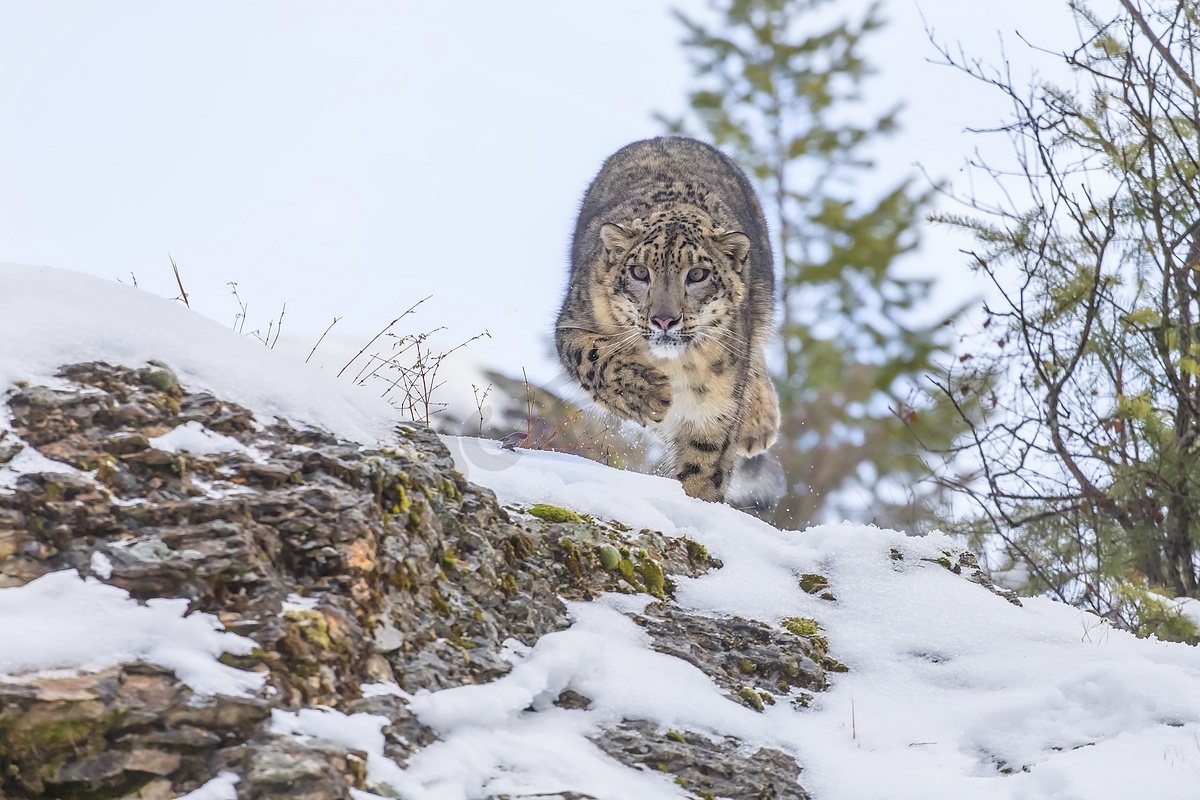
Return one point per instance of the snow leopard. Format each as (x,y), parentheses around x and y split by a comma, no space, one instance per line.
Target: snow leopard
(669,306)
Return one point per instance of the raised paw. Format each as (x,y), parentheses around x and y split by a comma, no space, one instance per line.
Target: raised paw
(641,393)
(659,396)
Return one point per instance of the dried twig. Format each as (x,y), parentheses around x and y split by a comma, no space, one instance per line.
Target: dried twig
(278,329)
(386,328)
(479,401)
(239,319)
(318,344)
(182,292)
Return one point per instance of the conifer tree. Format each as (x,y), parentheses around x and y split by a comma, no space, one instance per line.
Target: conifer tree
(1088,439)
(779,90)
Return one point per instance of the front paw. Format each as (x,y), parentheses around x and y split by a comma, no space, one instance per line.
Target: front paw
(659,396)
(644,394)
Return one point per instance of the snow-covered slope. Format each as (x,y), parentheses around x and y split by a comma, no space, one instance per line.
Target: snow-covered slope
(951,691)
(49,317)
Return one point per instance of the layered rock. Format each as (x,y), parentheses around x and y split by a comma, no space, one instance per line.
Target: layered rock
(346,566)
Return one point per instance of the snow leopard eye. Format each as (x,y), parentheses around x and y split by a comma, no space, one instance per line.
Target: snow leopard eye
(697,275)
(639,273)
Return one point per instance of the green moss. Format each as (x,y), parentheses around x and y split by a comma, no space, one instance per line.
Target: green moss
(682,781)
(751,697)
(312,626)
(813,583)
(449,561)
(518,547)
(553,513)
(897,555)
(801,626)
(404,502)
(698,554)
(945,562)
(162,380)
(626,568)
(570,558)
(509,584)
(82,462)
(54,734)
(652,576)
(767,698)
(439,602)
(106,472)
(746,666)
(610,557)
(833,665)
(676,736)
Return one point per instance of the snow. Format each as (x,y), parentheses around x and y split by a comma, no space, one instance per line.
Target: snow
(951,691)
(27,460)
(222,787)
(63,622)
(101,565)
(948,683)
(354,731)
(59,317)
(192,437)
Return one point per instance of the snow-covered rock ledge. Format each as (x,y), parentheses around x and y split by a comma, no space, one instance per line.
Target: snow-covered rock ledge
(224,572)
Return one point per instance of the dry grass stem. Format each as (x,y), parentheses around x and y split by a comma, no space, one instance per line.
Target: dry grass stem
(183,295)
(386,328)
(480,399)
(318,344)
(239,319)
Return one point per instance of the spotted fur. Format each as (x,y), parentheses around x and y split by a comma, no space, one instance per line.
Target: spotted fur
(670,304)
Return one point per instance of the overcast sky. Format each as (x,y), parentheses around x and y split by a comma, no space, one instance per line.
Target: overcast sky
(350,158)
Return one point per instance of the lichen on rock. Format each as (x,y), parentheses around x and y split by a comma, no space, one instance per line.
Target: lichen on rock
(346,566)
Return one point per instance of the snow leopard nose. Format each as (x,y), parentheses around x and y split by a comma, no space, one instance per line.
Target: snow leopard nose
(666,322)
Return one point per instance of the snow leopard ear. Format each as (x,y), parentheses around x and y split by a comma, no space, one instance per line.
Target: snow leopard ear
(619,238)
(734,244)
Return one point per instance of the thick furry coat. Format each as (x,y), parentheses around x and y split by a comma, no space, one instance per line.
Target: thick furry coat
(670,304)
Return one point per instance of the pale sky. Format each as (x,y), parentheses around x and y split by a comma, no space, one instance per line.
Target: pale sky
(350,158)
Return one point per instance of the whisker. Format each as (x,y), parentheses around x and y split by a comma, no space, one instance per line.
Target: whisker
(726,333)
(621,344)
(708,336)
(613,332)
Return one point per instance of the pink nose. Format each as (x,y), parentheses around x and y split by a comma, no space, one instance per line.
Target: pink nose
(666,322)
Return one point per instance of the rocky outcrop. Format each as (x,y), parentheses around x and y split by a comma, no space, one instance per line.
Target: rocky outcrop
(346,566)
(709,769)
